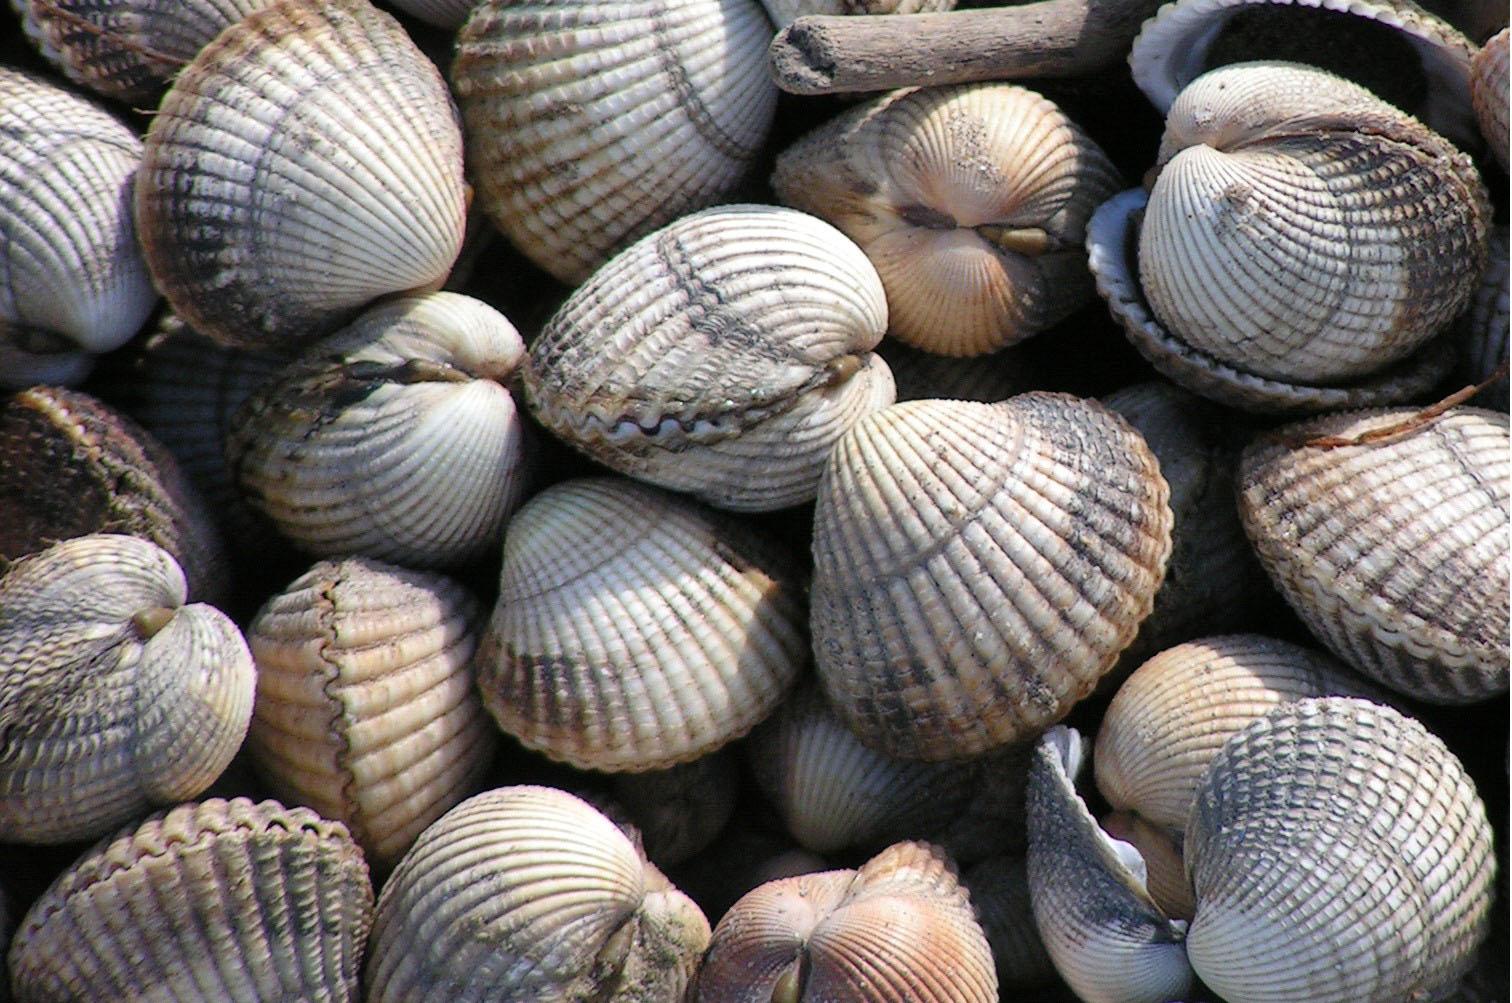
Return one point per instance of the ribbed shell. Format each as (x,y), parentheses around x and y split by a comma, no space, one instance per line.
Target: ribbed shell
(722,355)
(306,162)
(1488,92)
(920,375)
(680,810)
(114,696)
(593,122)
(1165,872)
(979,566)
(73,277)
(899,930)
(1339,853)
(1106,936)
(1483,328)
(223,900)
(971,202)
(393,438)
(527,893)
(1393,553)
(448,15)
(999,888)
(636,630)
(366,706)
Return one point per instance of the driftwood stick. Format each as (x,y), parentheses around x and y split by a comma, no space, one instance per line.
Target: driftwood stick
(822,54)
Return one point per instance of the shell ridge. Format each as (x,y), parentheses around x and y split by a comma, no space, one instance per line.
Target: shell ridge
(689,99)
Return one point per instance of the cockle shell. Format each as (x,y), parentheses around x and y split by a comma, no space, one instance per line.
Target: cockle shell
(593,122)
(971,202)
(899,930)
(722,355)
(742,858)
(635,629)
(305,163)
(1378,888)
(920,375)
(785,12)
(366,705)
(1394,552)
(528,893)
(393,438)
(74,283)
(1483,329)
(1165,871)
(114,695)
(999,888)
(978,567)
(449,15)
(1488,92)
(230,901)
(680,810)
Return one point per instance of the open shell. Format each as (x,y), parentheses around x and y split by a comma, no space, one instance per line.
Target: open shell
(1488,90)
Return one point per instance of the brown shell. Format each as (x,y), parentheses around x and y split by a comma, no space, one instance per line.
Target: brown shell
(682,809)
(1488,91)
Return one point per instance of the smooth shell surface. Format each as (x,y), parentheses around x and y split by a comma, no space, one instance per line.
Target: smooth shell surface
(1488,90)
(979,567)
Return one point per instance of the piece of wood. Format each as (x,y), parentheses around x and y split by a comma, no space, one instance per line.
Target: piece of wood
(823,54)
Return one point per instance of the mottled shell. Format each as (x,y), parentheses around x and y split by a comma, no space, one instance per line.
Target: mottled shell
(920,375)
(1488,92)
(528,893)
(393,438)
(999,888)
(230,901)
(951,610)
(722,355)
(785,12)
(1380,889)
(1483,329)
(305,163)
(899,930)
(74,282)
(680,810)
(1394,553)
(1106,936)
(636,630)
(971,202)
(593,122)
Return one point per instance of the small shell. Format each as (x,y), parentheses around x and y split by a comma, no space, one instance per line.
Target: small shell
(978,567)
(593,122)
(722,355)
(971,202)
(528,893)
(634,629)
(1379,890)
(1483,329)
(999,888)
(315,133)
(899,930)
(785,12)
(1488,91)
(680,810)
(1394,553)
(224,900)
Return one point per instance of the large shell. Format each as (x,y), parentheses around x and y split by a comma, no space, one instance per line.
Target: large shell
(722,355)
(971,202)
(306,162)
(1393,552)
(593,122)
(527,893)
(1339,854)
(1488,90)
(224,900)
(899,930)
(635,629)
(978,567)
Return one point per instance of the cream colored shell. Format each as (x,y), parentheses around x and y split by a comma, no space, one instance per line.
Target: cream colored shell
(1488,91)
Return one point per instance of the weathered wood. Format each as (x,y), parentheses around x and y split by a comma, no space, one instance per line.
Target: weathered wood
(821,54)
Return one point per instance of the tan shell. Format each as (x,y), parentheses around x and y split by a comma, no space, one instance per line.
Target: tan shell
(527,893)
(223,900)
(785,12)
(722,355)
(315,134)
(680,810)
(635,629)
(393,438)
(1488,92)
(899,930)
(951,611)
(1394,553)
(1380,889)
(591,123)
(971,202)
(1483,329)
(1165,872)
(999,888)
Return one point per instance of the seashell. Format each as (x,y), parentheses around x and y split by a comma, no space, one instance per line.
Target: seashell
(680,810)
(527,893)
(392,438)
(992,821)
(999,888)
(1488,93)
(1105,934)
(1483,326)
(898,930)
(636,630)
(222,900)
(1165,872)
(366,708)
(920,375)
(744,353)
(1380,889)
(591,123)
(448,15)
(980,504)
(355,162)
(75,284)
(114,696)
(785,12)
(75,466)
(1394,552)
(742,858)
(971,202)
